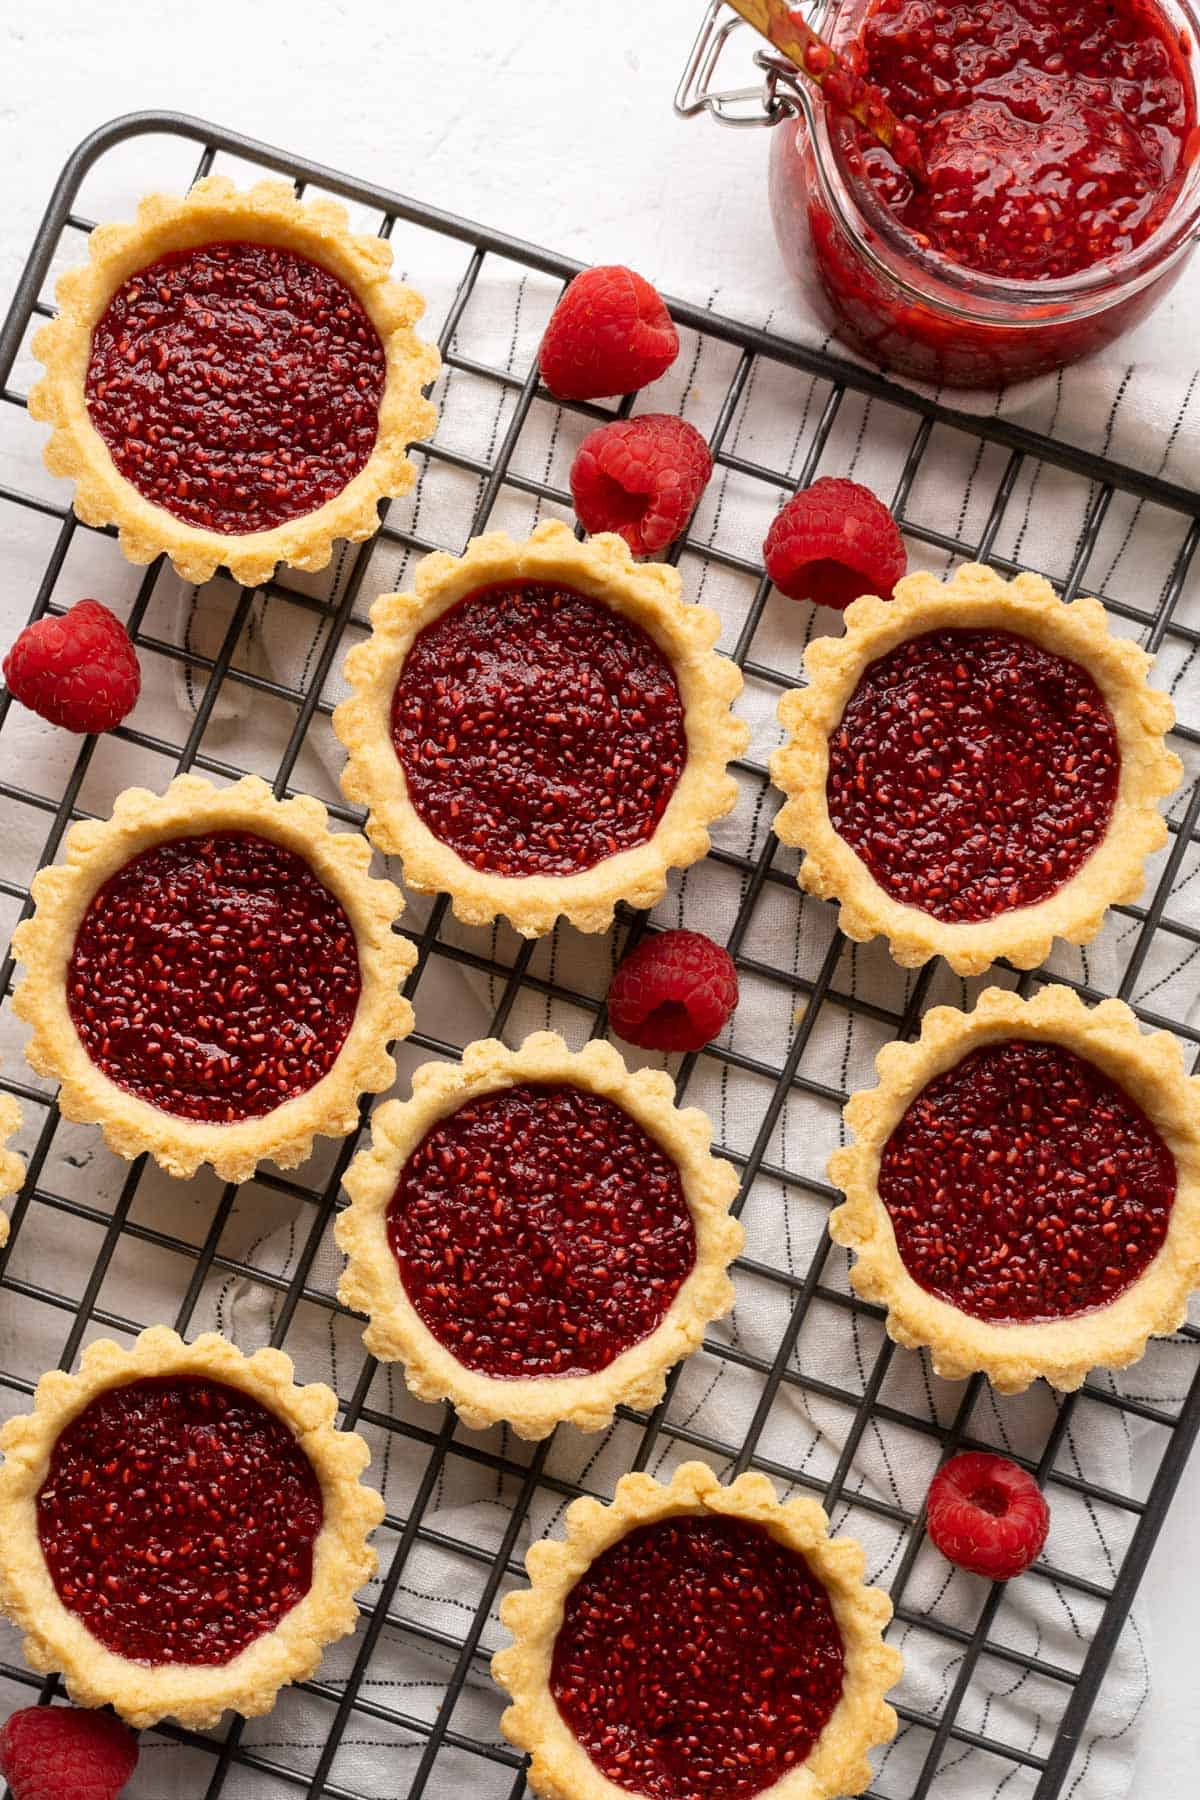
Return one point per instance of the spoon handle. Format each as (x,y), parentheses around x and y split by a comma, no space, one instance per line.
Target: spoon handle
(845,91)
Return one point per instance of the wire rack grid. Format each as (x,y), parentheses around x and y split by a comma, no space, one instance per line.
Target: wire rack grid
(440,1746)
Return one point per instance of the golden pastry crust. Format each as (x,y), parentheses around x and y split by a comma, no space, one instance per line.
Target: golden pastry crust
(603,569)
(1149,1069)
(267,213)
(371,1283)
(12,1169)
(561,1768)
(93,851)
(57,1641)
(1028,606)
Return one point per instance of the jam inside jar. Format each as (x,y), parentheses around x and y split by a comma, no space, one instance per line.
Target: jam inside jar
(1064,193)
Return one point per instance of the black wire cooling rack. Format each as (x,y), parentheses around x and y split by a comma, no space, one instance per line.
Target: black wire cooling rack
(228,1759)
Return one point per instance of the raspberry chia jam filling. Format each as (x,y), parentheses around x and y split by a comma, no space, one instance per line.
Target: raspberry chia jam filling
(1056,133)
(178,1519)
(539,731)
(973,772)
(1023,1184)
(214,977)
(237,385)
(540,1231)
(698,1659)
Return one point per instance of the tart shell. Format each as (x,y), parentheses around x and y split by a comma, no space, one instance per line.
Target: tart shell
(603,569)
(371,1283)
(1029,607)
(1011,1355)
(268,213)
(561,1769)
(94,850)
(57,1641)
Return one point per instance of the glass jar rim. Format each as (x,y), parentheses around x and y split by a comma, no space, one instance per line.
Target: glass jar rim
(954,287)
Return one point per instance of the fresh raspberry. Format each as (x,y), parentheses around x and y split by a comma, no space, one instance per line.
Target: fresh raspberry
(80,671)
(64,1753)
(609,334)
(675,991)
(832,542)
(641,477)
(987,1515)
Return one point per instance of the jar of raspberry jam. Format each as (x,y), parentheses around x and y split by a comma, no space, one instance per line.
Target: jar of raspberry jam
(1063,151)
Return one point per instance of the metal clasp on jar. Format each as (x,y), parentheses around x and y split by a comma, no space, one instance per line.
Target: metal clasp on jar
(780,94)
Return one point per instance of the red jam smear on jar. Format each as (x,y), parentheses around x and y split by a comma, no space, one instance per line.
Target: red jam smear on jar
(236,385)
(214,977)
(973,772)
(1023,1184)
(1054,131)
(178,1519)
(697,1656)
(539,731)
(540,1231)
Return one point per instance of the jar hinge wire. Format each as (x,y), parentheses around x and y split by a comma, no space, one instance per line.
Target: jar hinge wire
(781,93)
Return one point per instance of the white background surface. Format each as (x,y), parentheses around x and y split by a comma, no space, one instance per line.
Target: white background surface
(552,121)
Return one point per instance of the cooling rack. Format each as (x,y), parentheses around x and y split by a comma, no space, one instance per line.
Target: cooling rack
(440,1726)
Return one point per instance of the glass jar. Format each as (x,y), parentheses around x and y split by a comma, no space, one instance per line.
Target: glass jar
(921,314)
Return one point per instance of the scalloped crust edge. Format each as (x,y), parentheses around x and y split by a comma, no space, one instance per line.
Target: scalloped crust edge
(94,850)
(1149,1068)
(395,1332)
(561,1769)
(57,1640)
(603,569)
(12,1169)
(267,213)
(976,596)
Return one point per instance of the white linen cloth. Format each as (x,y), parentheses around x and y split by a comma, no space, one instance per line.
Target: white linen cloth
(1145,413)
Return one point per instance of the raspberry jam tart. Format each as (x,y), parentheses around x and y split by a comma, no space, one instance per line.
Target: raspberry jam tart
(726,1726)
(189,1476)
(974,769)
(1022,1190)
(538,1235)
(185,1529)
(1024,1184)
(694,1639)
(1061,145)
(213,976)
(234,379)
(973,772)
(540,1231)
(541,729)
(253,376)
(190,923)
(539,733)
